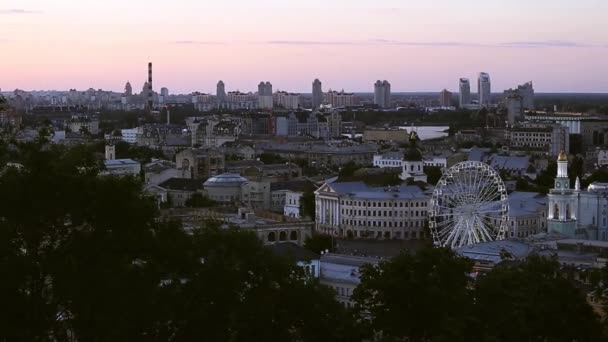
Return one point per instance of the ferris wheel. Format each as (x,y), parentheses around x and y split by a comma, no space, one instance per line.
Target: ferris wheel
(469,205)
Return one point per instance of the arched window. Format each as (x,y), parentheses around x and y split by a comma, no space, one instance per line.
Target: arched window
(271,237)
(567,211)
(185,164)
(555,212)
(282,236)
(293,235)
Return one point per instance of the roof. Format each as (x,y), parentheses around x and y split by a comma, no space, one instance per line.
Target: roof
(476,154)
(343,268)
(360,190)
(526,203)
(491,251)
(293,185)
(290,249)
(225,179)
(182,184)
(243,163)
(119,162)
(392,155)
(508,162)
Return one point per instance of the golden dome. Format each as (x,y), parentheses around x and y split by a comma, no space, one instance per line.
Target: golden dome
(562,156)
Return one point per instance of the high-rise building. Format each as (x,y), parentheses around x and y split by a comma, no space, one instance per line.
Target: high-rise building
(286,100)
(464,92)
(484,89)
(445,98)
(382,93)
(265,95)
(221,91)
(128,89)
(164,92)
(317,93)
(526,91)
(340,98)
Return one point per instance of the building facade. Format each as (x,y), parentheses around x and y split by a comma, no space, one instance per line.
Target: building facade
(549,139)
(445,98)
(574,212)
(464,92)
(317,94)
(265,100)
(382,94)
(484,89)
(354,209)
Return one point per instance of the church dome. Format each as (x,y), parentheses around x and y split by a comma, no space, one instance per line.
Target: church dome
(562,156)
(225,179)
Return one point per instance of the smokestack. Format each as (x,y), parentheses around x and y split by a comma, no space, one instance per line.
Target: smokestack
(150,96)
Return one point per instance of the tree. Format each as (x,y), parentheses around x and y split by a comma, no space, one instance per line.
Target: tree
(199,201)
(348,169)
(418,297)
(532,301)
(271,158)
(319,243)
(85,258)
(307,205)
(433,174)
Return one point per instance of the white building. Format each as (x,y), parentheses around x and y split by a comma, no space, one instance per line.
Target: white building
(122,167)
(577,213)
(265,100)
(464,92)
(602,157)
(292,204)
(527,214)
(340,98)
(129,135)
(484,89)
(286,100)
(354,209)
(411,164)
(341,272)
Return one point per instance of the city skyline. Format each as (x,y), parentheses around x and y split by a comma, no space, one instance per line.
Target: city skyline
(67,44)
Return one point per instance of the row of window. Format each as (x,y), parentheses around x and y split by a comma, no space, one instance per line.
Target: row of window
(383,213)
(384,235)
(272,236)
(385,224)
(385,204)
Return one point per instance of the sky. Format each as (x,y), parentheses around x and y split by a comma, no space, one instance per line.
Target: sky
(423,45)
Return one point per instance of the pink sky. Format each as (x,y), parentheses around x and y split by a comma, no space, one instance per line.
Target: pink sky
(348,44)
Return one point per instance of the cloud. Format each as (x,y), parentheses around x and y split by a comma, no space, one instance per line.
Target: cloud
(18,11)
(411,43)
(545,43)
(309,42)
(196,42)
(381,41)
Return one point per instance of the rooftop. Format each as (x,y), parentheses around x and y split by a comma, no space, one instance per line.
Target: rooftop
(491,251)
(360,190)
(120,162)
(225,179)
(293,185)
(182,184)
(289,249)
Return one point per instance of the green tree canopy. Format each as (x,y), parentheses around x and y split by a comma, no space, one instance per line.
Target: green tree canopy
(85,258)
(418,297)
(533,302)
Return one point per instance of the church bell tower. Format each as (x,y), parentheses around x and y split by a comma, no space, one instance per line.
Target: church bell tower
(561,216)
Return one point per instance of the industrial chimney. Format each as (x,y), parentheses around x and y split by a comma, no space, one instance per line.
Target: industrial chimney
(150,95)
